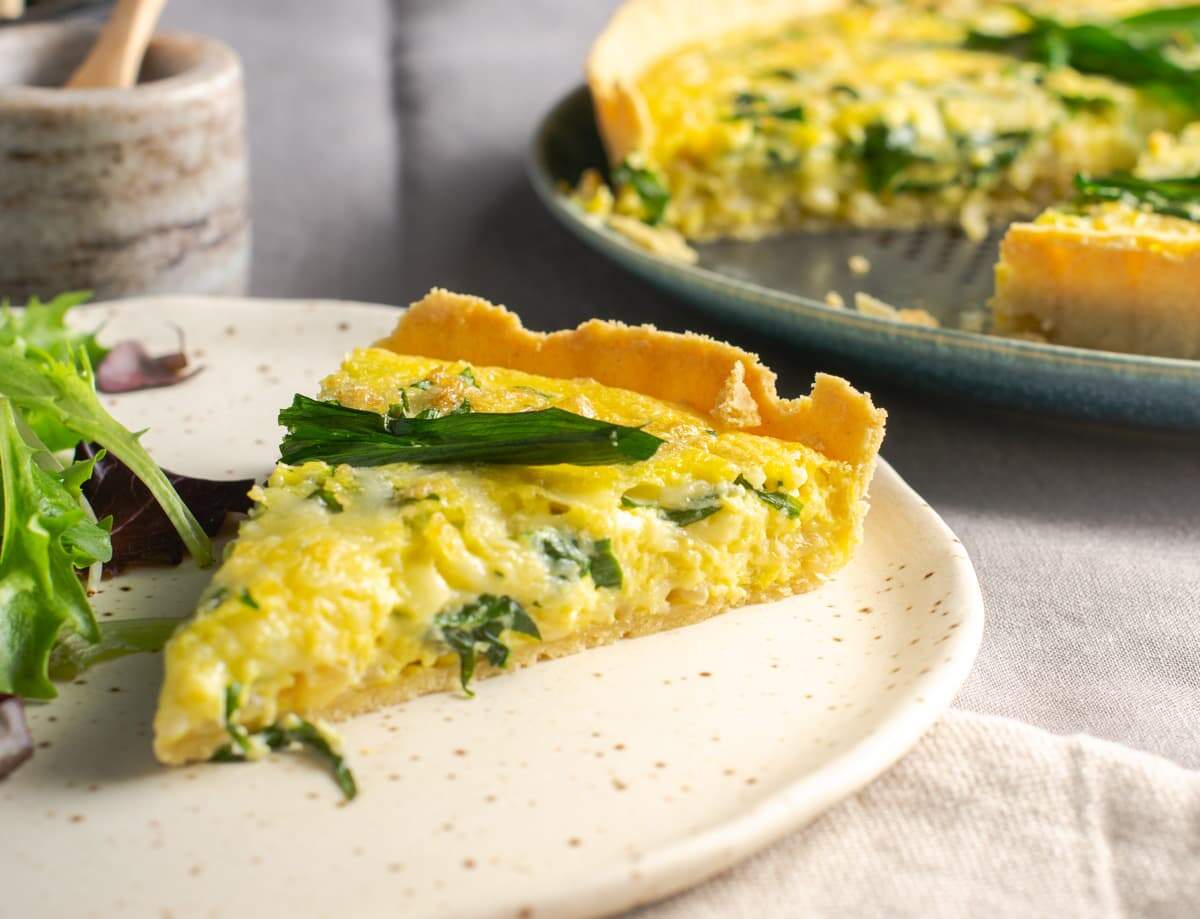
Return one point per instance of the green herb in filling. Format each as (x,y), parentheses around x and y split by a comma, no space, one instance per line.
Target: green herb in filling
(680,516)
(329,499)
(477,628)
(603,565)
(885,152)
(649,186)
(289,731)
(1097,105)
(779,500)
(568,557)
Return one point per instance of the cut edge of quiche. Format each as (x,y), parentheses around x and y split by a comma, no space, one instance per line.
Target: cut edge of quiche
(1111,275)
(1114,279)
(726,387)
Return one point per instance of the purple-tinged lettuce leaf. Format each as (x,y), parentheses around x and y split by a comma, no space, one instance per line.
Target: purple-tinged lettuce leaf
(16,744)
(141,532)
(128,367)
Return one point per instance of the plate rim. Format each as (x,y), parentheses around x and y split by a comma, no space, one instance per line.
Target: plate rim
(684,865)
(690,860)
(1041,355)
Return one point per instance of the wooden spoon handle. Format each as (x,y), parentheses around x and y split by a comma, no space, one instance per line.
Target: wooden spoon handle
(116,58)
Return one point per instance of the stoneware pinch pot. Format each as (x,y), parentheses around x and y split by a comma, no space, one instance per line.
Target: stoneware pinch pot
(119,192)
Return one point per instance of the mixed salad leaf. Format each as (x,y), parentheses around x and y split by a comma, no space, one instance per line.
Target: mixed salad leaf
(49,533)
(141,532)
(45,536)
(74,654)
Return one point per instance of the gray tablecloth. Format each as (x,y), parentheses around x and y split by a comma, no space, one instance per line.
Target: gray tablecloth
(387,156)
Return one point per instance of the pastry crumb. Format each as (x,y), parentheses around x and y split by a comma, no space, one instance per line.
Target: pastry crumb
(859,264)
(972,320)
(873,306)
(835,300)
(662,241)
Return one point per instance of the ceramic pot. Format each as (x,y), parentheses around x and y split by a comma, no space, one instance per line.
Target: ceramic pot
(121,191)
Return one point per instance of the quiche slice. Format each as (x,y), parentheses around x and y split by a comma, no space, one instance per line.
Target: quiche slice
(366,579)
(1117,275)
(727,118)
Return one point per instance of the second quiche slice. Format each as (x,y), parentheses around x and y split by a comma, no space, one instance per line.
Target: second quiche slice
(360,580)
(1119,270)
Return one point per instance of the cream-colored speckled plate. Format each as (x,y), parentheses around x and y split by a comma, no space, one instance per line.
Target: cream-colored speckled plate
(578,787)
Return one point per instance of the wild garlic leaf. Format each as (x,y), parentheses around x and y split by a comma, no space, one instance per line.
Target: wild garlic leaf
(1131,51)
(1172,197)
(336,434)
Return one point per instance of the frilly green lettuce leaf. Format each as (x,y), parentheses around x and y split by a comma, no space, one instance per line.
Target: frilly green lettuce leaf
(46,533)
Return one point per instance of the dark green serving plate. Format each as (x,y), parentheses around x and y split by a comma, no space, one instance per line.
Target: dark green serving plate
(777,286)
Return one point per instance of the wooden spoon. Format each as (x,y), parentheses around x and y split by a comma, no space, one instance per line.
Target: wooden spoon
(116,58)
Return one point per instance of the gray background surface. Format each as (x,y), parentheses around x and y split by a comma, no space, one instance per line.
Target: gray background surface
(388,146)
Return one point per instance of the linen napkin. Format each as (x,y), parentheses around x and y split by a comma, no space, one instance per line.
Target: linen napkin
(985,817)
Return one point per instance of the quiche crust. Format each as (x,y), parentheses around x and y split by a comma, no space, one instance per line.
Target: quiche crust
(327,603)
(727,384)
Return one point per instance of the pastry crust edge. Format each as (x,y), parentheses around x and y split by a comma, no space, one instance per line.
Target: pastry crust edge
(642,32)
(729,386)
